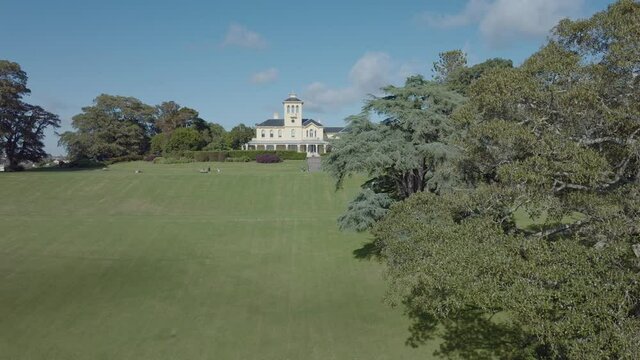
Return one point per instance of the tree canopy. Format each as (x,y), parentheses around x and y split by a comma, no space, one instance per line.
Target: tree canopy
(408,152)
(22,125)
(113,126)
(537,256)
(117,126)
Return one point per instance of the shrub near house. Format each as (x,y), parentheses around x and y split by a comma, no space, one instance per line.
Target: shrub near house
(268,159)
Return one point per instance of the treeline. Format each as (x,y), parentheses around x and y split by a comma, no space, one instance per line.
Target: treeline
(125,127)
(505,200)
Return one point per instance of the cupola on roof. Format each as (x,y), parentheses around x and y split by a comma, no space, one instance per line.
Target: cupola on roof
(292,98)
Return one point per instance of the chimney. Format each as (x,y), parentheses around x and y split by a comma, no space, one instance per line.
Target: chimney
(276,115)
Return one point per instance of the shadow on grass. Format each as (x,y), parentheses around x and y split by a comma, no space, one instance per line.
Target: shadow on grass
(368,251)
(474,335)
(61,169)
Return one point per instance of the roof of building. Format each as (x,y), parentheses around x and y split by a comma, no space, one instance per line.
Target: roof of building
(280,122)
(272,122)
(333,129)
(306,122)
(293,97)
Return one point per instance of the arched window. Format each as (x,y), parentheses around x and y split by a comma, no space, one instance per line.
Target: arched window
(307,133)
(297,109)
(293,133)
(270,133)
(262,133)
(279,133)
(288,109)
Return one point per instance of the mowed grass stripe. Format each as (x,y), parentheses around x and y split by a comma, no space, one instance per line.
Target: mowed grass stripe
(173,264)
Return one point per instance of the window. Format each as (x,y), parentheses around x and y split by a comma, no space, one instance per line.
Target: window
(288,109)
(293,133)
(270,133)
(279,133)
(262,133)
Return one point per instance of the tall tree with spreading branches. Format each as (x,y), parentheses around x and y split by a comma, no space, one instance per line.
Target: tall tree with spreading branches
(552,143)
(22,125)
(409,151)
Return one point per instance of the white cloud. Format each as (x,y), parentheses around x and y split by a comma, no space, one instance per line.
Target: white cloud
(265,77)
(504,21)
(238,35)
(371,72)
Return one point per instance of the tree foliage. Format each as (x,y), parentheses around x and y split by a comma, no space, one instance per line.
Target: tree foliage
(22,125)
(184,139)
(239,135)
(555,139)
(449,62)
(408,152)
(113,126)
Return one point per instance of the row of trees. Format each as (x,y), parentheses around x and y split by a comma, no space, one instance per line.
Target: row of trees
(22,125)
(118,126)
(114,126)
(505,201)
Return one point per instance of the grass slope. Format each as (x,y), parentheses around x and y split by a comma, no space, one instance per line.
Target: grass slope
(174,264)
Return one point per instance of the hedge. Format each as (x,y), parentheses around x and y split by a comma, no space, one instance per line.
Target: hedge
(205,156)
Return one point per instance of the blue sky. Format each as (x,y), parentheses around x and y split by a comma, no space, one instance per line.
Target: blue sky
(235,61)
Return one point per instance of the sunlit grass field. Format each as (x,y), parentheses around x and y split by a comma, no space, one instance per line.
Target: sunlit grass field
(173,264)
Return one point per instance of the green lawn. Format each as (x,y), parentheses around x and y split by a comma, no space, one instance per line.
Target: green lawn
(174,264)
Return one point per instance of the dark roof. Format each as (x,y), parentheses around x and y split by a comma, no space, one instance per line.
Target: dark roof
(306,122)
(293,98)
(333,129)
(272,122)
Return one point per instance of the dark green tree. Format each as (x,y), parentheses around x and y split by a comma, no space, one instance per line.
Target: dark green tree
(184,139)
(409,152)
(22,125)
(461,79)
(113,126)
(553,142)
(239,135)
(449,62)
(171,116)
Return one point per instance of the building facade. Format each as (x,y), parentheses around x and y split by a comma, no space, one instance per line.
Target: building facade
(293,131)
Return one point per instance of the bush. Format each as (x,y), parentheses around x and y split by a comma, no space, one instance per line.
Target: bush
(238,159)
(268,158)
(151,157)
(223,155)
(283,154)
(202,156)
(125,158)
(164,160)
(83,164)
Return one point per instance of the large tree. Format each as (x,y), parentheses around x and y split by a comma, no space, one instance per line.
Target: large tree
(239,135)
(449,62)
(553,142)
(171,116)
(22,125)
(113,126)
(409,151)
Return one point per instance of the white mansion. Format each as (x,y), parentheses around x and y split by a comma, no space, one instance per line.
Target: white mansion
(293,132)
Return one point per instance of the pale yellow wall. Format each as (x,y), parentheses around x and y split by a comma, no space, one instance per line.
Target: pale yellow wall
(318,132)
(296,115)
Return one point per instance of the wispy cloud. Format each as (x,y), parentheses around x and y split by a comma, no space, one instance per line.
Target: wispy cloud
(265,77)
(504,21)
(240,36)
(369,73)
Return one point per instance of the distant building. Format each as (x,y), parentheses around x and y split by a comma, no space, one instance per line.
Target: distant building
(293,132)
